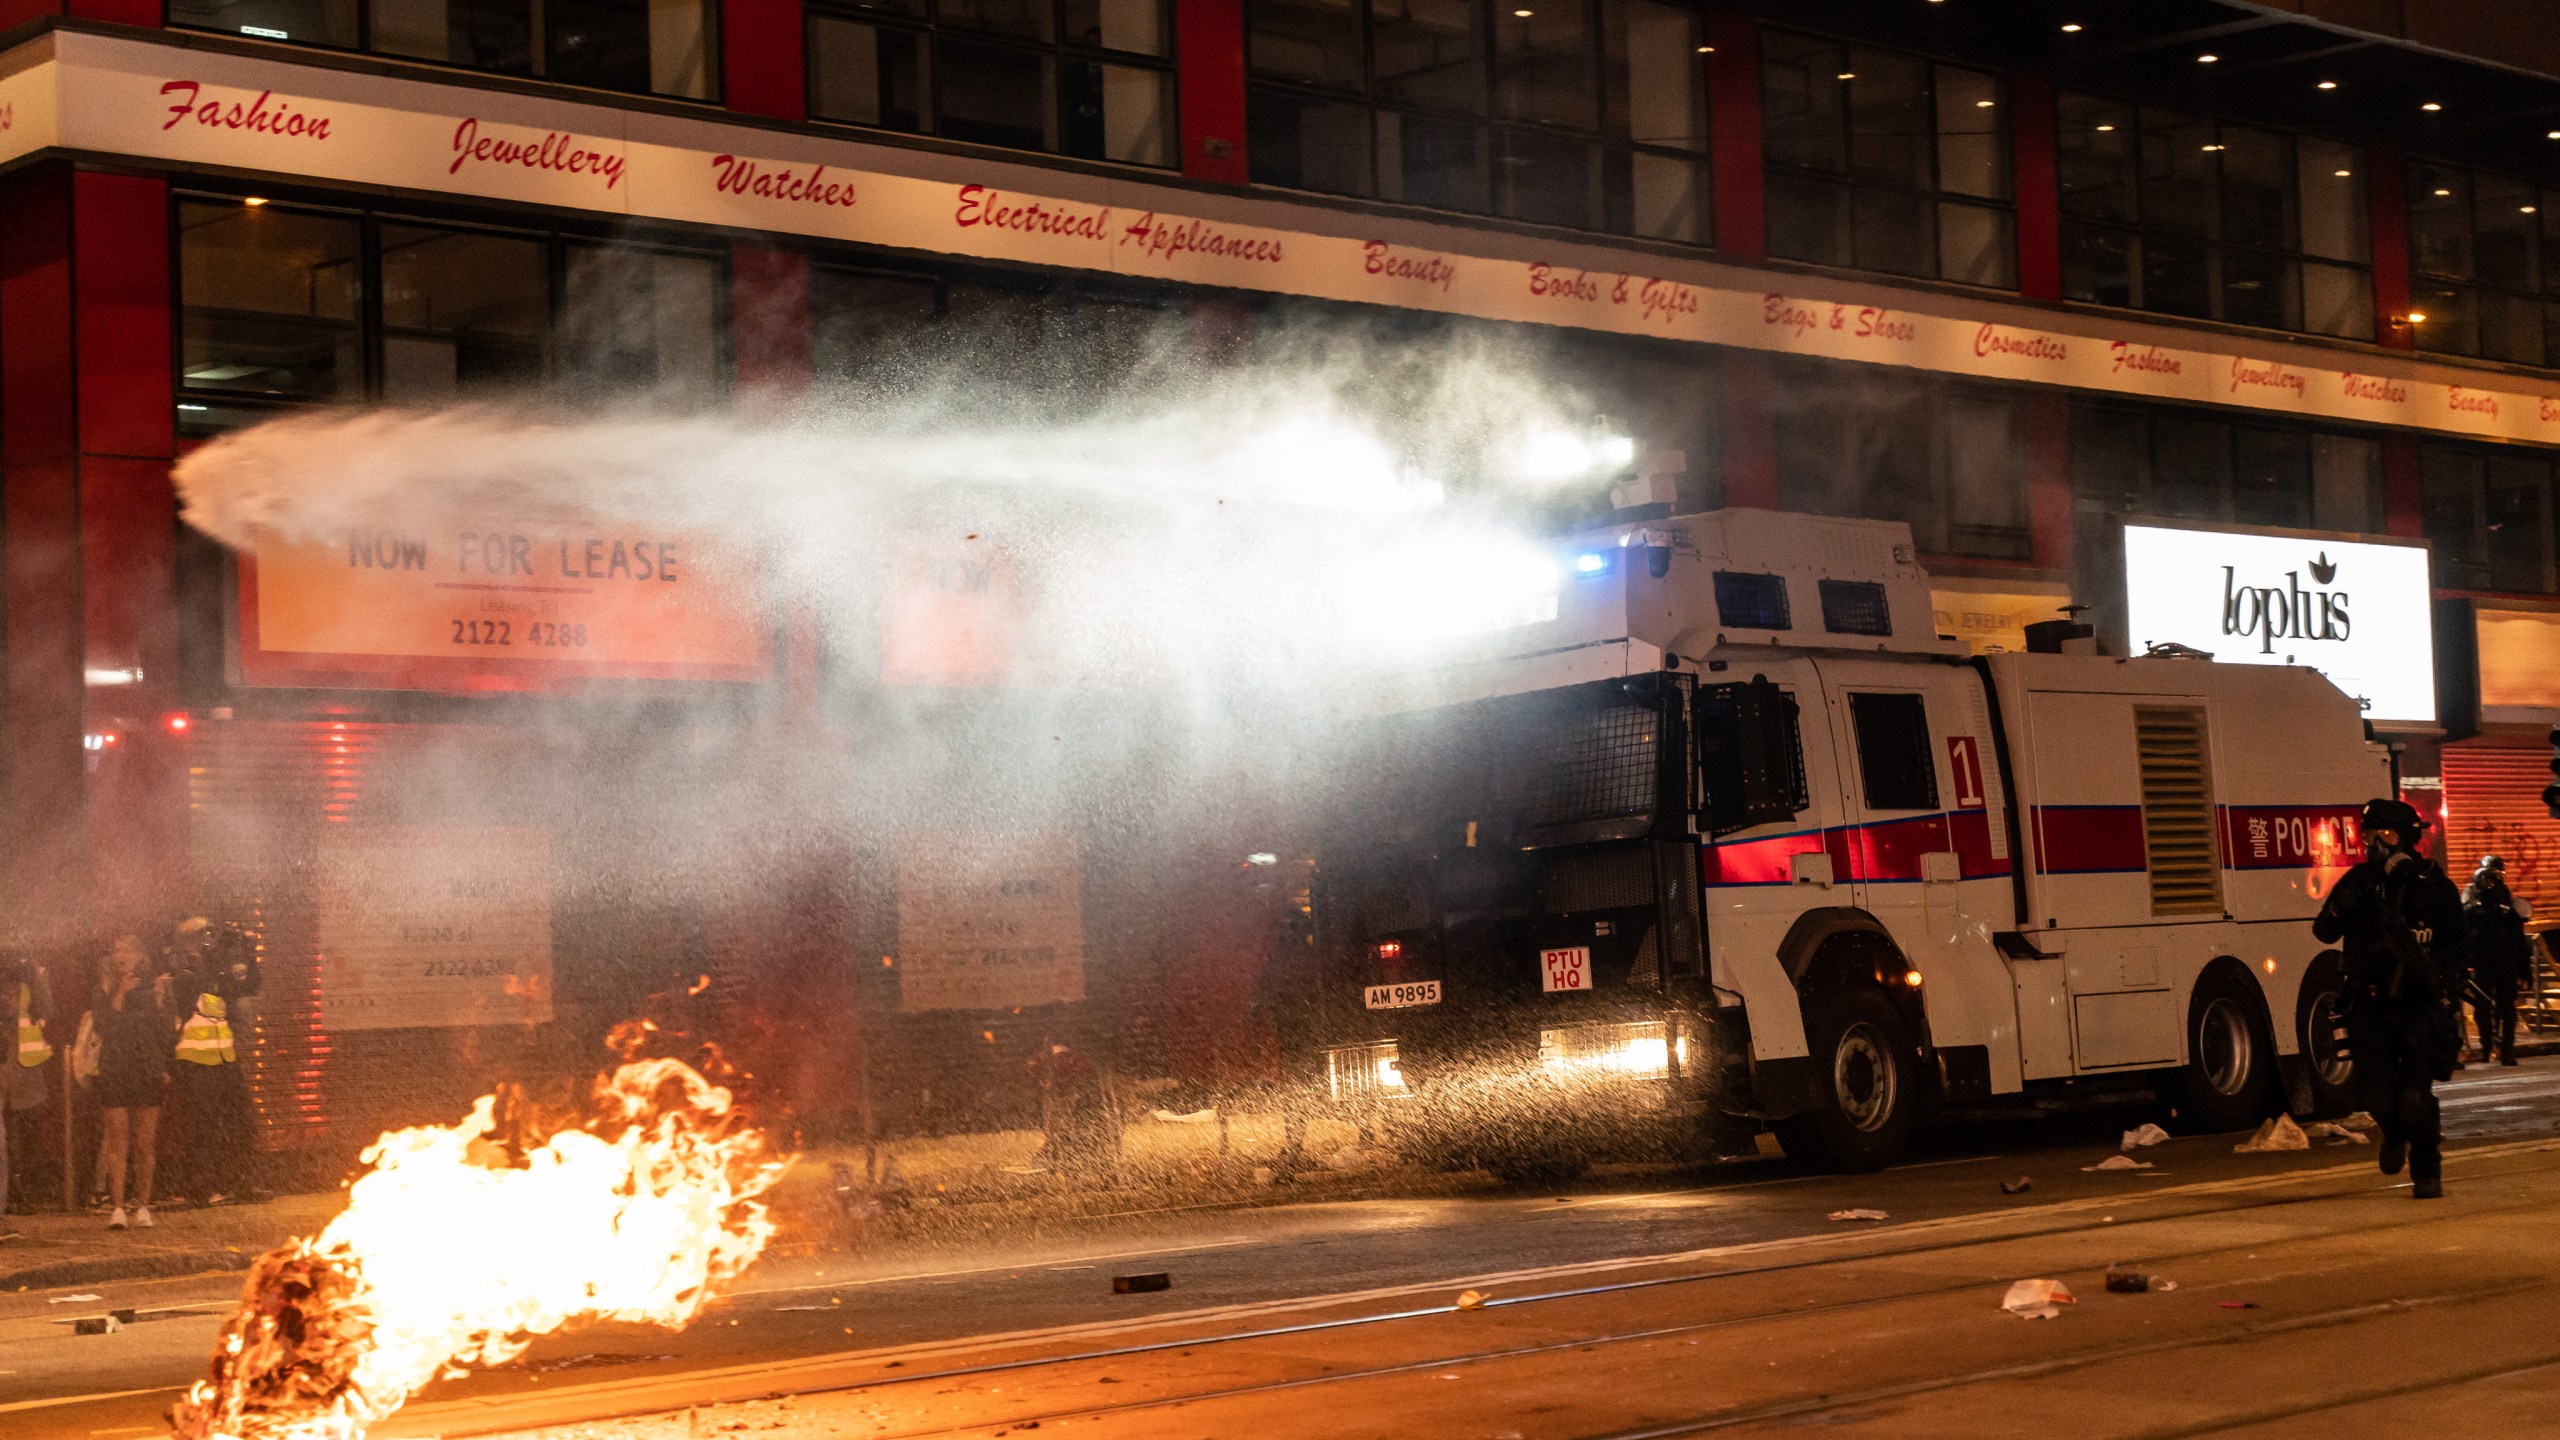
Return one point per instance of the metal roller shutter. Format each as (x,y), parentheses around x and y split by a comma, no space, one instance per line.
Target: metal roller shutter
(2493,806)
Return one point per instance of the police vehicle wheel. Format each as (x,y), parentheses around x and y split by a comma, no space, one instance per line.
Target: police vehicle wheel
(2230,1060)
(1870,1088)
(2319,1028)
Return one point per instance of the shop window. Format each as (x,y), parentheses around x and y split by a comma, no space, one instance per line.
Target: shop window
(2479,249)
(463,312)
(1945,458)
(270,302)
(2185,215)
(661,47)
(642,324)
(1588,114)
(1878,160)
(1089,78)
(868,328)
(2488,518)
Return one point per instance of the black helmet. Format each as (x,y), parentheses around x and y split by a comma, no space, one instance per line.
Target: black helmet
(2393,815)
(2492,862)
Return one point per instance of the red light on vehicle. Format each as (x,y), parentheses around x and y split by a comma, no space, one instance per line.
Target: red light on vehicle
(1390,949)
(178,722)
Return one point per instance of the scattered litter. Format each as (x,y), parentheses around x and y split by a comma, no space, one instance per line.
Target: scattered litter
(2019,1186)
(2279,1133)
(1262,1175)
(1026,1169)
(2149,1134)
(2361,1120)
(2038,1299)
(96,1325)
(71,1299)
(2123,1281)
(1354,1157)
(2333,1131)
(2117,1162)
(1195,1117)
(1471,1300)
(2239,1304)
(1140,1284)
(1858,1215)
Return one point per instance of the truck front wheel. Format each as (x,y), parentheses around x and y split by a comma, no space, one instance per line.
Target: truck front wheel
(1862,1055)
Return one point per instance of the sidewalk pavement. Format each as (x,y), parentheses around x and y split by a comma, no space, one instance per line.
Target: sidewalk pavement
(940,1187)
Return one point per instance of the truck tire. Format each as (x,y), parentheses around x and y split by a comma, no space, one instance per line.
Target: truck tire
(1870,1085)
(2228,1082)
(2318,1017)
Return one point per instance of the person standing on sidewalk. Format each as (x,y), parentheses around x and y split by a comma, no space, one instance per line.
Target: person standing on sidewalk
(2402,923)
(217,978)
(2501,956)
(136,1034)
(24,1076)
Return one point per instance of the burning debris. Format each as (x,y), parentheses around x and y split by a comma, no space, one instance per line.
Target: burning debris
(458,1248)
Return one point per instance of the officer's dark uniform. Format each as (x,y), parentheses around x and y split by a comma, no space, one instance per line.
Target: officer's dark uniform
(2501,957)
(2401,920)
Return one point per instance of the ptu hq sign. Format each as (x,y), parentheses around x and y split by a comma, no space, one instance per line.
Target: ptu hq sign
(2358,611)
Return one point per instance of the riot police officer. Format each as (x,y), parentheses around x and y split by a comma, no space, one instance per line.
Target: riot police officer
(2501,956)
(2402,923)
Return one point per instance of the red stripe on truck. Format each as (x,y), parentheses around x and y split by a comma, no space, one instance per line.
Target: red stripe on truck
(2291,837)
(1880,852)
(2088,839)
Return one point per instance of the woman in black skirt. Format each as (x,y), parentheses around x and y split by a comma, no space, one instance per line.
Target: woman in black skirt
(136,1037)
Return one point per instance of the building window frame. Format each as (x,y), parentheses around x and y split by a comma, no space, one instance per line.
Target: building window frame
(545,49)
(2504,308)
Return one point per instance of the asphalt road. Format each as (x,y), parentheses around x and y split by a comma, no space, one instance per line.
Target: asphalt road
(1358,1294)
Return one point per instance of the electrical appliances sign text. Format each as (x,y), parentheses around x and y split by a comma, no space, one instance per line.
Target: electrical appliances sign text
(2356,611)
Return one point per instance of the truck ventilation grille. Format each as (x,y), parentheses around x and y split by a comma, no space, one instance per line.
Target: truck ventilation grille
(2177,813)
(1751,602)
(1606,880)
(1855,607)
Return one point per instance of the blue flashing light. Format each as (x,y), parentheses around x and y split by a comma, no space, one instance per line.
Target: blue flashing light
(1591,562)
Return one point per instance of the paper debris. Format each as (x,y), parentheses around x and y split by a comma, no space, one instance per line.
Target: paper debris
(2019,1186)
(70,1299)
(1188,1117)
(2118,1162)
(2149,1134)
(1857,1215)
(1471,1300)
(2332,1131)
(2279,1133)
(2038,1299)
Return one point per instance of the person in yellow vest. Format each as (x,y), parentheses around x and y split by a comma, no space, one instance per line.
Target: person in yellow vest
(25,1077)
(216,989)
(135,1033)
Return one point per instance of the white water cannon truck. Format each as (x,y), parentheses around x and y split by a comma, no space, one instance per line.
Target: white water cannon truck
(1735,841)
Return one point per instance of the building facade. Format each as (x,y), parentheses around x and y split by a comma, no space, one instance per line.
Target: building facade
(2018,273)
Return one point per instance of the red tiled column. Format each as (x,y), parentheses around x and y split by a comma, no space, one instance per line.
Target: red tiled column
(762,69)
(1209,51)
(2048,453)
(2387,207)
(1733,124)
(1745,428)
(2037,185)
(2403,508)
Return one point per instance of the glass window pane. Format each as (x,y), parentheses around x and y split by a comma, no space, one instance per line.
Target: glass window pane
(866,74)
(2449,492)
(1544,64)
(869,329)
(2510,327)
(1428,52)
(1802,105)
(1317,41)
(681,48)
(1546,178)
(1136,26)
(1666,94)
(2258,289)
(1307,143)
(461,311)
(483,34)
(1889,118)
(1973,134)
(2271,477)
(1670,198)
(2257,188)
(2190,468)
(2551,241)
(1982,454)
(2346,483)
(2337,301)
(1137,114)
(994,95)
(2518,540)
(2505,232)
(2440,222)
(604,43)
(305,22)
(270,301)
(1808,219)
(2335,224)
(2176,277)
(2110,460)
(2097,265)
(2177,172)
(2094,156)
(1025,19)
(1975,245)
(1431,161)
(2451,326)
(1893,231)
(642,324)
